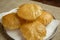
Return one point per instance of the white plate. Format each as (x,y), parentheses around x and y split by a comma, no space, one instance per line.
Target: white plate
(17,35)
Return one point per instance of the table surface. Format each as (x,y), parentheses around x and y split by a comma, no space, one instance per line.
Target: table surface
(7,5)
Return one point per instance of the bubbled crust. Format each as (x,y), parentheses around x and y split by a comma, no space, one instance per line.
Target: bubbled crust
(29,11)
(33,31)
(45,18)
(11,21)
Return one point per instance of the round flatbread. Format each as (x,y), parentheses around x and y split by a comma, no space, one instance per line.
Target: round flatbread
(33,30)
(29,11)
(45,18)
(11,21)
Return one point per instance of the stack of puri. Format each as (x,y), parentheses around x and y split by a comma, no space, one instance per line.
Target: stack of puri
(30,19)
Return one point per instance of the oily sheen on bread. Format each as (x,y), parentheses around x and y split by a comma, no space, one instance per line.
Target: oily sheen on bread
(29,11)
(11,21)
(33,31)
(45,18)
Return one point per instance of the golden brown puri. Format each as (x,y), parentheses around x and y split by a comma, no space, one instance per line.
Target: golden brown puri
(45,18)
(11,21)
(29,11)
(33,31)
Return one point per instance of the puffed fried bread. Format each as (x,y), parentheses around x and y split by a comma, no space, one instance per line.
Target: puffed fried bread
(11,21)
(33,31)
(29,11)
(45,18)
